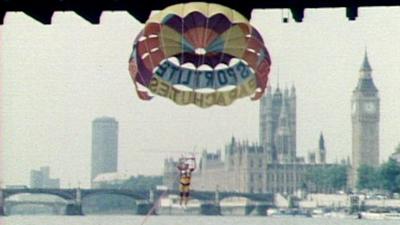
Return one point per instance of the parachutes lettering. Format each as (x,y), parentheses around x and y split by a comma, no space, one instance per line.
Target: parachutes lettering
(191,47)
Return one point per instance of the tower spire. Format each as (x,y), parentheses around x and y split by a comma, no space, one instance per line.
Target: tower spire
(365,66)
(277,77)
(321,142)
(365,81)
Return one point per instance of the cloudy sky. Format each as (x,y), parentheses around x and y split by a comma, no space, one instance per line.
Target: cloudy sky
(56,79)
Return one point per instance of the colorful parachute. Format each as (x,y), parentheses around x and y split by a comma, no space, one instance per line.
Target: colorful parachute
(199,53)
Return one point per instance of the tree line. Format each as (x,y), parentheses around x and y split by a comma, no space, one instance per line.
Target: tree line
(327,179)
(386,177)
(330,179)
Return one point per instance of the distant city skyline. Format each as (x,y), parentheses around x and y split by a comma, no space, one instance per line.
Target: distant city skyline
(41,179)
(54,82)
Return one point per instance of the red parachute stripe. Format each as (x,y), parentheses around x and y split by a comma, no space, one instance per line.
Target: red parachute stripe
(152,28)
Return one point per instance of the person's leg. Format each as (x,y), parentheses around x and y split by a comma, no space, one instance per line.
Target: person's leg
(181,199)
(186,197)
(182,193)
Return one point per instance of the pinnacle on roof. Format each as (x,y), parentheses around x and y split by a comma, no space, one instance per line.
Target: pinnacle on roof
(321,141)
(286,92)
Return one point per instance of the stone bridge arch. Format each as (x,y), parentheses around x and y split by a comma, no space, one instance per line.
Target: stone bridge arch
(256,197)
(121,200)
(69,194)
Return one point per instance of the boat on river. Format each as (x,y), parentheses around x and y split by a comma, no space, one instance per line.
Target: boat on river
(380,214)
(275,212)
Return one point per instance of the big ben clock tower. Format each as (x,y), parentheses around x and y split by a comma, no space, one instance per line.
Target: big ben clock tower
(365,122)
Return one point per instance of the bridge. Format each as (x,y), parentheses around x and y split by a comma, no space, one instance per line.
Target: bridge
(210,201)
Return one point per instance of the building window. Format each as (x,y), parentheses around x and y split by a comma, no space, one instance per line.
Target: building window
(260,163)
(251,163)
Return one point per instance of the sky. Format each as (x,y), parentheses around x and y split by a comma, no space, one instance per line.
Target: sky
(56,79)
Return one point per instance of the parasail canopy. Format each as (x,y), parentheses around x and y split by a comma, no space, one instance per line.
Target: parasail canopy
(199,53)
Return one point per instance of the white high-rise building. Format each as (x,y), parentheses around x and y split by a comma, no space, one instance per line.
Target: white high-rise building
(104,146)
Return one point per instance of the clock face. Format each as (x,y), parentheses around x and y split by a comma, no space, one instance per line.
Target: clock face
(369,107)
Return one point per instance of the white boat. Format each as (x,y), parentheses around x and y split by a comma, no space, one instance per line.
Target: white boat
(273,212)
(317,213)
(380,214)
(392,216)
(339,215)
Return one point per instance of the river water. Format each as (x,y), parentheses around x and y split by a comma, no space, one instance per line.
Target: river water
(184,220)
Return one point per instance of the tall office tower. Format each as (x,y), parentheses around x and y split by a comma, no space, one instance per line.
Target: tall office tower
(104,146)
(365,122)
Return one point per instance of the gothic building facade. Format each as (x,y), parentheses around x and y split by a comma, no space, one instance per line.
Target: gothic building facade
(271,165)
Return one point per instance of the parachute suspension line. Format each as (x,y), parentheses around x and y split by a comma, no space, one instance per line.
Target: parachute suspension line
(182,33)
(161,38)
(205,36)
(154,207)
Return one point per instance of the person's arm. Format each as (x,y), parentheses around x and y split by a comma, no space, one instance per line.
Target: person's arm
(182,166)
(194,164)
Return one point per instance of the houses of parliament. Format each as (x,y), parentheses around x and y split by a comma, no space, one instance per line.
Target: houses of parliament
(272,165)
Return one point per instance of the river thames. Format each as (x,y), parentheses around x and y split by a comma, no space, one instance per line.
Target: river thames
(184,220)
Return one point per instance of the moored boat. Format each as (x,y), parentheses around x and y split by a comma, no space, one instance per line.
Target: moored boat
(380,214)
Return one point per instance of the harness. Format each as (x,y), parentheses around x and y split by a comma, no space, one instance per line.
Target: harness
(183,179)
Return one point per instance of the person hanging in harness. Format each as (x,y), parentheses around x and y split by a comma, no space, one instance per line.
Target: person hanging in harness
(185,166)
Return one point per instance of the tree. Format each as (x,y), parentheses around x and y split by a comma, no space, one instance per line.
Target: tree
(326,179)
(368,178)
(397,150)
(142,182)
(136,183)
(390,173)
(337,176)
